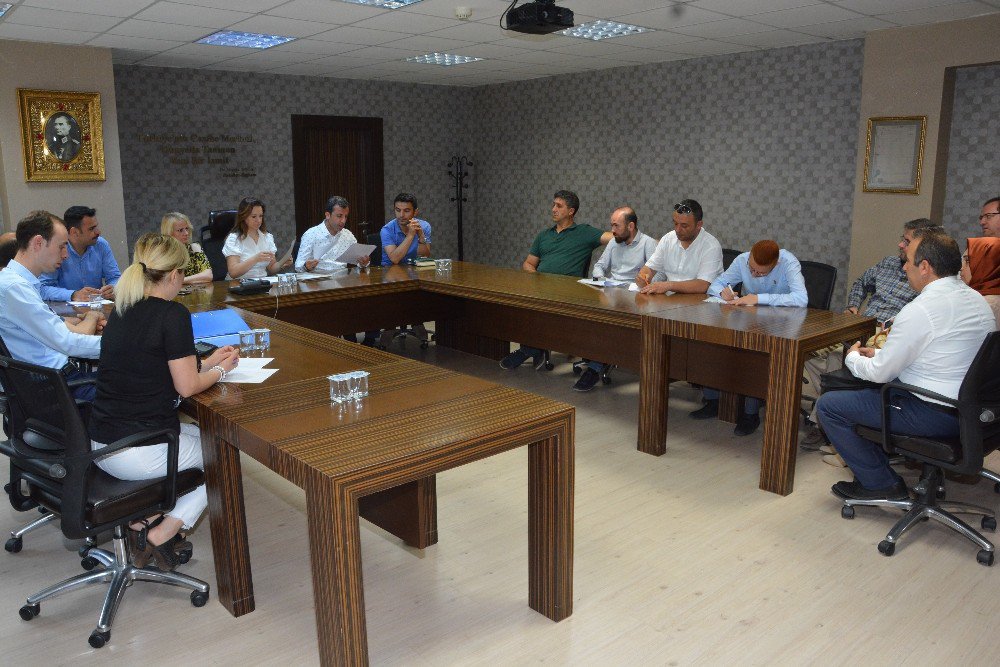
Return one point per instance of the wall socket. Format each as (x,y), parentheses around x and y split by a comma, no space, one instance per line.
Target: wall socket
(463,13)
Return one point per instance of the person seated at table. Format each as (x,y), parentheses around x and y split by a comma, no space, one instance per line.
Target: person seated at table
(404,238)
(771,277)
(148,363)
(250,250)
(8,248)
(90,266)
(565,249)
(688,257)
(620,261)
(198,269)
(29,328)
(981,270)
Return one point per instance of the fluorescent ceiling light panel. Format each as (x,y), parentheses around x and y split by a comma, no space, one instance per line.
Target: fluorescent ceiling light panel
(385,4)
(5,7)
(246,40)
(443,59)
(603,30)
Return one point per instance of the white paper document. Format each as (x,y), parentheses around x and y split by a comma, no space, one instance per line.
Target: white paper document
(284,258)
(87,303)
(714,299)
(253,363)
(249,376)
(356,250)
(603,282)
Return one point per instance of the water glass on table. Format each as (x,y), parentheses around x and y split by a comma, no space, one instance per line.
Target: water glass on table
(95,302)
(247,343)
(262,340)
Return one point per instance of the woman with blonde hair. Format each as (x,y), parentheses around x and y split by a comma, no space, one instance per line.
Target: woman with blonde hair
(198,269)
(148,364)
(250,248)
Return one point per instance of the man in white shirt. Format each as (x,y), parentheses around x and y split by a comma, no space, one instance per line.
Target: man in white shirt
(932,342)
(323,244)
(620,261)
(689,256)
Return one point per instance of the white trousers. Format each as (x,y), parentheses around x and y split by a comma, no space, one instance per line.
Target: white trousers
(151,462)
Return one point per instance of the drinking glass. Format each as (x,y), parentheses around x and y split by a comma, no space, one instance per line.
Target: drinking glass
(247,343)
(262,340)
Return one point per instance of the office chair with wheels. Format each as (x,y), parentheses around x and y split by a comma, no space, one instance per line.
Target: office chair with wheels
(213,238)
(978,409)
(49,437)
(820,280)
(728,255)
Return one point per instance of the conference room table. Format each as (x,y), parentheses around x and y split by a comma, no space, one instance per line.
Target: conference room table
(377,458)
(751,351)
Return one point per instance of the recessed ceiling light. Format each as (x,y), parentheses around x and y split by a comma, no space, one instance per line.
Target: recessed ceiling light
(603,30)
(443,59)
(5,7)
(385,4)
(246,40)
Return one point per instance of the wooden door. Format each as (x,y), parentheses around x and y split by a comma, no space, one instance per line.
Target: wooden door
(338,155)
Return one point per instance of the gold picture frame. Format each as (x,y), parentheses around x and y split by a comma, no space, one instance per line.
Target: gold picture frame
(894,154)
(61,135)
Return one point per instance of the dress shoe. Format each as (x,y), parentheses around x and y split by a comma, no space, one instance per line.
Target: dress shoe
(834,460)
(746,424)
(854,491)
(513,360)
(827,449)
(708,411)
(813,439)
(587,380)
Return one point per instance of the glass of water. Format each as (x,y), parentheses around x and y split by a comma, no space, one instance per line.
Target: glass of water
(340,387)
(95,302)
(359,385)
(247,343)
(262,339)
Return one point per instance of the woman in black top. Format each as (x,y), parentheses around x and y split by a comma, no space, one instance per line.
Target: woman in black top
(147,364)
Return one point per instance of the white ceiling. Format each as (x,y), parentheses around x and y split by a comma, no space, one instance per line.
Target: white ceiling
(338,39)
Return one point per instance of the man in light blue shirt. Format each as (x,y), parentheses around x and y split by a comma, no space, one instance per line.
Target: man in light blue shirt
(620,261)
(770,277)
(90,267)
(31,331)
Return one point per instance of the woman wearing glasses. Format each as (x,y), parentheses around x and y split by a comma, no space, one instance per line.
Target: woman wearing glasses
(198,269)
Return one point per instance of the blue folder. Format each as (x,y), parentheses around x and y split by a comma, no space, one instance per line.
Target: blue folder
(218,327)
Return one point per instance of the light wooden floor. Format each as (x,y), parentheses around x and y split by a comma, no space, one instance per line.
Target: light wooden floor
(680,560)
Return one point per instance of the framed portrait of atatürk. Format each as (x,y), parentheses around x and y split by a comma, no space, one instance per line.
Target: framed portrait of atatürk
(61,135)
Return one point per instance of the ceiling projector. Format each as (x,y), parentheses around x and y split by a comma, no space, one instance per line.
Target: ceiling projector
(539,17)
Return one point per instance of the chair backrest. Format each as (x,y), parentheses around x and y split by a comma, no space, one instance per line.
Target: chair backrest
(728,255)
(213,237)
(820,280)
(375,239)
(979,405)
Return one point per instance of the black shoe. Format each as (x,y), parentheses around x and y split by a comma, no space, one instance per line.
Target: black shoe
(708,411)
(513,360)
(813,439)
(369,341)
(746,424)
(587,380)
(854,491)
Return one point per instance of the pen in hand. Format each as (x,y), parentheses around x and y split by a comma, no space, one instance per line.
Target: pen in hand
(727,293)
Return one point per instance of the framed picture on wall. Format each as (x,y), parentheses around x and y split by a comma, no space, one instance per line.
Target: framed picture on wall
(894,152)
(61,137)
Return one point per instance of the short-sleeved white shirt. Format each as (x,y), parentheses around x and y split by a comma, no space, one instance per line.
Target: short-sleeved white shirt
(246,247)
(701,260)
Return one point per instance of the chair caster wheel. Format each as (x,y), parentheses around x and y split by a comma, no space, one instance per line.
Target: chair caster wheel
(99,639)
(886,548)
(847,512)
(605,379)
(549,366)
(184,556)
(985,557)
(988,523)
(89,563)
(13,545)
(198,599)
(996,488)
(29,611)
(423,345)
(577,370)
(84,550)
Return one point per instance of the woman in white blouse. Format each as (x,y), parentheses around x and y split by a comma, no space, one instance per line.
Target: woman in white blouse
(250,250)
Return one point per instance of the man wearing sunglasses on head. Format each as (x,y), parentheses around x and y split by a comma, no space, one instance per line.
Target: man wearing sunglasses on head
(689,256)
(989,217)
(770,277)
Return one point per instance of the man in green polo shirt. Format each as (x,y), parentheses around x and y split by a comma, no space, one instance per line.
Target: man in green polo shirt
(564,248)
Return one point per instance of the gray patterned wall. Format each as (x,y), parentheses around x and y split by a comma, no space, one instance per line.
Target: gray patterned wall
(423,126)
(973,160)
(766,142)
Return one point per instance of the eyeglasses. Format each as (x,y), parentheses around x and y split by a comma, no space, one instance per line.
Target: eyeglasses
(965,258)
(683,209)
(981,218)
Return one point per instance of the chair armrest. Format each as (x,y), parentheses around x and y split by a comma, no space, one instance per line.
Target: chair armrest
(79,382)
(919,391)
(144,439)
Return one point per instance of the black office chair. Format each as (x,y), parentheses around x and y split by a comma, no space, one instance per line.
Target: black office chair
(820,280)
(415,331)
(375,240)
(50,441)
(213,237)
(728,255)
(978,406)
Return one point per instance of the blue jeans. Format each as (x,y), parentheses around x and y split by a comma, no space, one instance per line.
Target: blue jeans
(840,411)
(751,405)
(86,392)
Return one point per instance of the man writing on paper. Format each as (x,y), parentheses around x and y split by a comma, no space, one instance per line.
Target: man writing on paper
(32,332)
(933,341)
(689,256)
(89,268)
(323,244)
(620,261)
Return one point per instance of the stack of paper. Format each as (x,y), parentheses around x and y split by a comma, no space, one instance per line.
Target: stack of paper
(251,371)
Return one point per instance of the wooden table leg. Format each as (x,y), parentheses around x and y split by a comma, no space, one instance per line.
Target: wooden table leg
(408,511)
(781,426)
(730,406)
(550,524)
(227,518)
(654,386)
(338,588)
